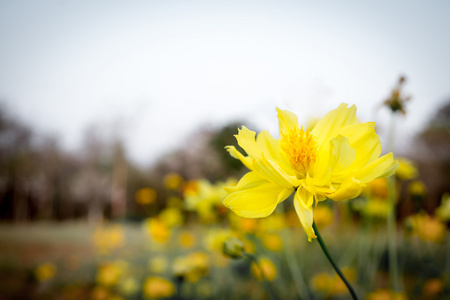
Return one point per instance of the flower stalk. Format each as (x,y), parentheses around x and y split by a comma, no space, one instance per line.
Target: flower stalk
(391,218)
(335,266)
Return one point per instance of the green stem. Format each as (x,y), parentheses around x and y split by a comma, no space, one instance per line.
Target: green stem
(391,218)
(392,237)
(336,268)
(265,282)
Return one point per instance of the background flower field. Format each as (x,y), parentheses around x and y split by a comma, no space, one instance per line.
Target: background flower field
(169,244)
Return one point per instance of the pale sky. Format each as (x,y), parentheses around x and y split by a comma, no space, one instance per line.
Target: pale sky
(160,69)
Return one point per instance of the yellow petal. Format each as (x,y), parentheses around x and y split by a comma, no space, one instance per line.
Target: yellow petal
(246,139)
(382,167)
(247,161)
(364,140)
(271,149)
(315,186)
(328,127)
(343,155)
(286,120)
(268,145)
(350,189)
(273,173)
(255,197)
(322,167)
(304,214)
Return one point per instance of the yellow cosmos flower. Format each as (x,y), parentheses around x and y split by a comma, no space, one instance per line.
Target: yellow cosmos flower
(157,287)
(384,294)
(129,286)
(323,216)
(146,196)
(272,242)
(158,264)
(173,181)
(268,268)
(157,229)
(432,288)
(205,198)
(45,272)
(108,238)
(172,217)
(428,228)
(406,169)
(417,189)
(108,274)
(334,160)
(186,239)
(443,211)
(192,267)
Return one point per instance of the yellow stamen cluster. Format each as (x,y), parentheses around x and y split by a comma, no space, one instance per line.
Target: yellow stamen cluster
(301,149)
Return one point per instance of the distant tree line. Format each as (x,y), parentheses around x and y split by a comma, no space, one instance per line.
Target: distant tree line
(41,181)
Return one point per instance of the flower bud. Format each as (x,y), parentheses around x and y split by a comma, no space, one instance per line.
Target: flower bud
(233,247)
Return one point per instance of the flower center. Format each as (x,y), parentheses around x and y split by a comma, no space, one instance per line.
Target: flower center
(301,149)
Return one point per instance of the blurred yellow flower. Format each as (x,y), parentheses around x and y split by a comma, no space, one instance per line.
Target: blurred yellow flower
(99,293)
(268,268)
(385,294)
(215,238)
(323,216)
(180,266)
(175,202)
(45,272)
(128,286)
(328,284)
(199,266)
(157,229)
(108,274)
(377,188)
(443,211)
(192,266)
(157,287)
(274,222)
(246,225)
(173,181)
(417,189)
(338,286)
(107,239)
(432,287)
(377,204)
(406,169)
(171,217)
(292,220)
(272,241)
(205,198)
(334,160)
(187,240)
(322,282)
(428,228)
(146,196)
(158,264)
(377,208)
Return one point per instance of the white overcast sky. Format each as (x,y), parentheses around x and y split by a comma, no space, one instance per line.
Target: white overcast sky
(160,69)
